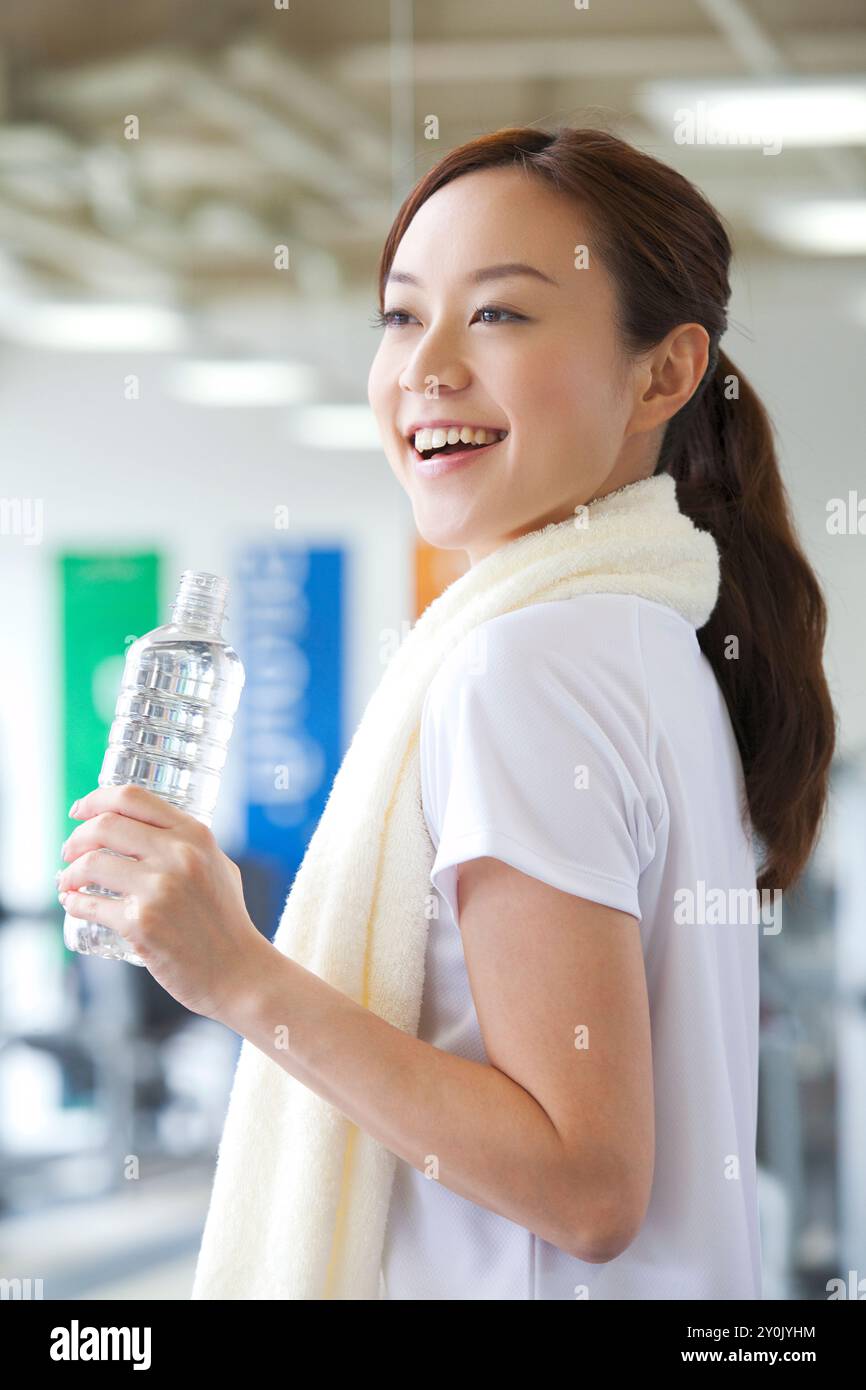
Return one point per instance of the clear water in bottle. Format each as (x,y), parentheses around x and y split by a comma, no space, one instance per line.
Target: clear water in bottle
(174,716)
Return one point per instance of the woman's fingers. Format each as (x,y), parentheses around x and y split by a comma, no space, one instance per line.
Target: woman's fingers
(110,830)
(128,800)
(94,907)
(103,868)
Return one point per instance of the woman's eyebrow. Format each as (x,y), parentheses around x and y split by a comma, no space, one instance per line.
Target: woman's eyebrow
(478,277)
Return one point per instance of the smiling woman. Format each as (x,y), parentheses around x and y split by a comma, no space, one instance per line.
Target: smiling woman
(542,363)
(532,1082)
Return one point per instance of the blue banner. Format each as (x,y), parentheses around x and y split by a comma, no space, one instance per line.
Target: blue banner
(288,616)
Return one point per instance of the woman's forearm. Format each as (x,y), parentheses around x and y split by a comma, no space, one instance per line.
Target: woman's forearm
(473,1127)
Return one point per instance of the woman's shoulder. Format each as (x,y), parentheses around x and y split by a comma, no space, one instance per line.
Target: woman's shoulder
(585,616)
(584,639)
(529,701)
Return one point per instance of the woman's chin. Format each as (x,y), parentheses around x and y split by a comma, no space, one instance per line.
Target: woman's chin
(439,530)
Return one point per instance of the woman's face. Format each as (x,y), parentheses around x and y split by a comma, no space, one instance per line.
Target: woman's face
(531,352)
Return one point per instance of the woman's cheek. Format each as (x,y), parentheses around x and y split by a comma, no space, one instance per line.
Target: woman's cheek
(560,409)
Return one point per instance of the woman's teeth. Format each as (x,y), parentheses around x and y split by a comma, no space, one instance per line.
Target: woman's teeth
(428,439)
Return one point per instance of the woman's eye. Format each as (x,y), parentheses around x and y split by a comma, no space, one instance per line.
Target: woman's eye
(492,309)
(390,318)
(397,318)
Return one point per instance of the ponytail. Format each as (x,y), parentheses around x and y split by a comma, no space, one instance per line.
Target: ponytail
(765,637)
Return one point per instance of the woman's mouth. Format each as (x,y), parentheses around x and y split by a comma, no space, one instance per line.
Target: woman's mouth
(432,462)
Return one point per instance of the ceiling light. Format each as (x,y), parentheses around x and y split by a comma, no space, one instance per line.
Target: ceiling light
(350,427)
(795,113)
(819,226)
(91,326)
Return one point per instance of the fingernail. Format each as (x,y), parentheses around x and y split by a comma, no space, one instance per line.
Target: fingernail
(58,875)
(73,808)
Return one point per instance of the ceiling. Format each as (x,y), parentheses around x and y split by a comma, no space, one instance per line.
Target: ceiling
(304,126)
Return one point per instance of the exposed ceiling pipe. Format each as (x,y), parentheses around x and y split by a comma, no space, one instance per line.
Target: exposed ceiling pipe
(402,91)
(97,260)
(311,97)
(628,56)
(183,82)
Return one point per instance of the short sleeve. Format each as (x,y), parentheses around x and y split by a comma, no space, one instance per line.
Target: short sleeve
(536,757)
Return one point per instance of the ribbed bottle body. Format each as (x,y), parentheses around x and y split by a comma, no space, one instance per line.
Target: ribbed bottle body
(173,719)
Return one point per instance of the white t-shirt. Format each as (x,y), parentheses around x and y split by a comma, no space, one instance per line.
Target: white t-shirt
(617,685)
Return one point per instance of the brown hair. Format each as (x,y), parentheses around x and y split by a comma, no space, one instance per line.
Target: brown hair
(668,254)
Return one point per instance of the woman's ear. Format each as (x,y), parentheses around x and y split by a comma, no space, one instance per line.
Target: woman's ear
(672,373)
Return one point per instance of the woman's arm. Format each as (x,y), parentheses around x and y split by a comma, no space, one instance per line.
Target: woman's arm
(557,1134)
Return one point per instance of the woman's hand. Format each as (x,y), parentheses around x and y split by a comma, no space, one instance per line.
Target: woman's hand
(182,908)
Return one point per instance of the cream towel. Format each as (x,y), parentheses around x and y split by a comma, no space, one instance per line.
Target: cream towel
(300,1195)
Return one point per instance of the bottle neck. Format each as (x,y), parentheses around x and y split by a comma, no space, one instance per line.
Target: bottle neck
(201,603)
(196,622)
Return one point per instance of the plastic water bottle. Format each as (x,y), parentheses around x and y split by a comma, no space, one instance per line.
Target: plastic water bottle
(174,716)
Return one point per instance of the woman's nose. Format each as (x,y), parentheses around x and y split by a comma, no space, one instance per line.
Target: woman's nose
(433,368)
